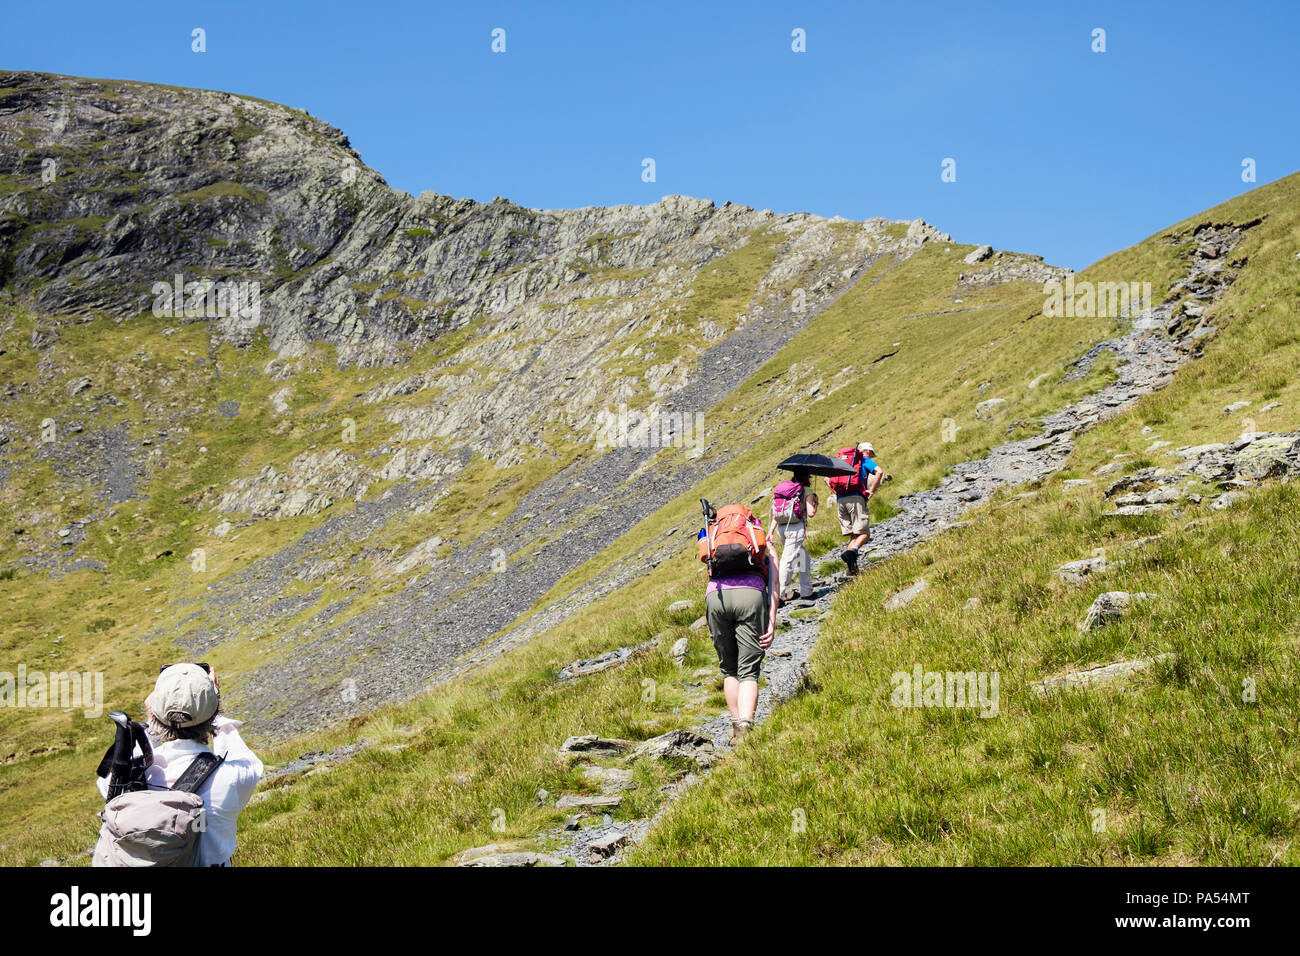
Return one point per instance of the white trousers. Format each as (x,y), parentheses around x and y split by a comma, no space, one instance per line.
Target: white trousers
(794,557)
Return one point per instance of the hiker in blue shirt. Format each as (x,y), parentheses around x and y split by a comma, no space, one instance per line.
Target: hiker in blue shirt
(851,497)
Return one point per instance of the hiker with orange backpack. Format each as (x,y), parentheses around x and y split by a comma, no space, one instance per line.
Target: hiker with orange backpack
(852,492)
(740,604)
(792,506)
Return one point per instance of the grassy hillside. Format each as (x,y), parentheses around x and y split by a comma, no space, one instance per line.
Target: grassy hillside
(893,360)
(1178,765)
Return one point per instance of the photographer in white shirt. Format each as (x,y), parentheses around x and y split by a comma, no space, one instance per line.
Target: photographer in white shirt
(183,719)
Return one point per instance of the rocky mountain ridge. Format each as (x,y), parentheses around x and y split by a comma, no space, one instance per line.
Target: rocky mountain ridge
(514,336)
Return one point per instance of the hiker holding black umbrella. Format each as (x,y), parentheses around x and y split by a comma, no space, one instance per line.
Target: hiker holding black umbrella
(792,506)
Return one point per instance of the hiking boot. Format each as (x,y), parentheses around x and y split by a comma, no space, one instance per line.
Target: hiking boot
(850,558)
(738,730)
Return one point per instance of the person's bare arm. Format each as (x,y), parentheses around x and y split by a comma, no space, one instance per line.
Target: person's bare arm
(877,477)
(773,595)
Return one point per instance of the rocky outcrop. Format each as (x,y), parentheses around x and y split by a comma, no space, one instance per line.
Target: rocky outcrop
(1110,606)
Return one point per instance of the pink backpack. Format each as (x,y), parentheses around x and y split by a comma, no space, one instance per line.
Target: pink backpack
(786,504)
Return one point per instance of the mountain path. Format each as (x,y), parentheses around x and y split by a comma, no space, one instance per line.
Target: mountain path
(1149,358)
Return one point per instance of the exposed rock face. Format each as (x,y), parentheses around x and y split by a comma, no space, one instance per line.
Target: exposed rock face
(152,182)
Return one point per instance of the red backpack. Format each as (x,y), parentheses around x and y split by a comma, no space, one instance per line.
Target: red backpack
(848,484)
(733,542)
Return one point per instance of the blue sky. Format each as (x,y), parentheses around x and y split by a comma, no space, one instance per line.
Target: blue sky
(1059,150)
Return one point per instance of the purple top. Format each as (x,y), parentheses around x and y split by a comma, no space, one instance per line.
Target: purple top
(750,579)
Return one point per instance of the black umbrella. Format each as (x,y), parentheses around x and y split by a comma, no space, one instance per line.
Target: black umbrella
(816,465)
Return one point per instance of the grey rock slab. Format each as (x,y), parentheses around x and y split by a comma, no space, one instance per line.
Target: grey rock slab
(518,858)
(903,598)
(686,744)
(1135,511)
(680,649)
(578,802)
(1076,571)
(606,846)
(590,745)
(611,780)
(1093,676)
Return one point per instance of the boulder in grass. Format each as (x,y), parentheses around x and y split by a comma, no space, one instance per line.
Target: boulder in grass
(1075,571)
(903,598)
(680,650)
(1110,606)
(1093,676)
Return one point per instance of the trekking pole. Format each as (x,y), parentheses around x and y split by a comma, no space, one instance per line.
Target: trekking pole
(119,761)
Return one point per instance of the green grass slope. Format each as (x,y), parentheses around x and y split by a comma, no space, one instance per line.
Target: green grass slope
(1192,762)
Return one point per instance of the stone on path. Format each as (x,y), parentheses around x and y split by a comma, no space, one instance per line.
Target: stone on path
(492,855)
(686,744)
(986,408)
(578,802)
(680,606)
(606,846)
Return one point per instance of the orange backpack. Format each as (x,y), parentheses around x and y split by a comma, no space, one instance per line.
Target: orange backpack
(733,541)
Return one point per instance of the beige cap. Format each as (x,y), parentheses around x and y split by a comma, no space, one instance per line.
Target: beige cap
(867,448)
(184,696)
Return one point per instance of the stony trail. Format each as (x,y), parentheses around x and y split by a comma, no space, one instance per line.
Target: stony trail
(1160,339)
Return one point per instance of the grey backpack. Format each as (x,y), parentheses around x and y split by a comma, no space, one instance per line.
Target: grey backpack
(156,827)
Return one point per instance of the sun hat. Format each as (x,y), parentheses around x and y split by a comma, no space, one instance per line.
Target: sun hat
(184,696)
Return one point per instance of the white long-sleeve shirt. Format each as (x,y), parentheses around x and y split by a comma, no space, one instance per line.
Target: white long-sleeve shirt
(224,794)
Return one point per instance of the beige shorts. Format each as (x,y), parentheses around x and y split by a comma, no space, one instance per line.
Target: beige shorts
(854,519)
